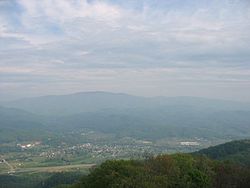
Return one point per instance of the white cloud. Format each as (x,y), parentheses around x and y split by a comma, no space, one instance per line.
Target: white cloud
(76,41)
(66,10)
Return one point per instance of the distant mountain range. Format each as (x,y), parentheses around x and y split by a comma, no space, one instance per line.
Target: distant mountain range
(126,115)
(96,101)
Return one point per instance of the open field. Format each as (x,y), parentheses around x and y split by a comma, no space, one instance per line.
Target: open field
(49,169)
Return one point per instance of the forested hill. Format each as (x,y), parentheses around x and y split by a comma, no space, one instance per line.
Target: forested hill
(20,125)
(235,151)
(167,171)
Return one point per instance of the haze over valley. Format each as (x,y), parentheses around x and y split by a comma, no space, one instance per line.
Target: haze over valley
(100,125)
(112,93)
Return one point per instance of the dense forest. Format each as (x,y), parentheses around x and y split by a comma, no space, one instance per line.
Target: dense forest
(173,171)
(39,180)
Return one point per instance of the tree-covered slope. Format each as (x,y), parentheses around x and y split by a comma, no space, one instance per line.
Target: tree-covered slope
(39,180)
(167,171)
(17,125)
(235,151)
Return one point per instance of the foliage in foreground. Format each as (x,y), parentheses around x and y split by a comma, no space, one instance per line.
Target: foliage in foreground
(39,180)
(168,171)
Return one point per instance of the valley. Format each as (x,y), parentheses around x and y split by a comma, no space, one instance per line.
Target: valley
(61,138)
(92,148)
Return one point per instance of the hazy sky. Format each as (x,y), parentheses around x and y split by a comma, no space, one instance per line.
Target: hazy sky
(141,47)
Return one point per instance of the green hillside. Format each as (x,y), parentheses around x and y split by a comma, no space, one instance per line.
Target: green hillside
(19,125)
(235,151)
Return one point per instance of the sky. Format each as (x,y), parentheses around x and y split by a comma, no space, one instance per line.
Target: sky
(140,47)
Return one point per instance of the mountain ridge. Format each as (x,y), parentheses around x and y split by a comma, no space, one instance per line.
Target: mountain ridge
(98,100)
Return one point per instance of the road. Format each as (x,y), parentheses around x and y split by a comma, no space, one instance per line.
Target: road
(11,168)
